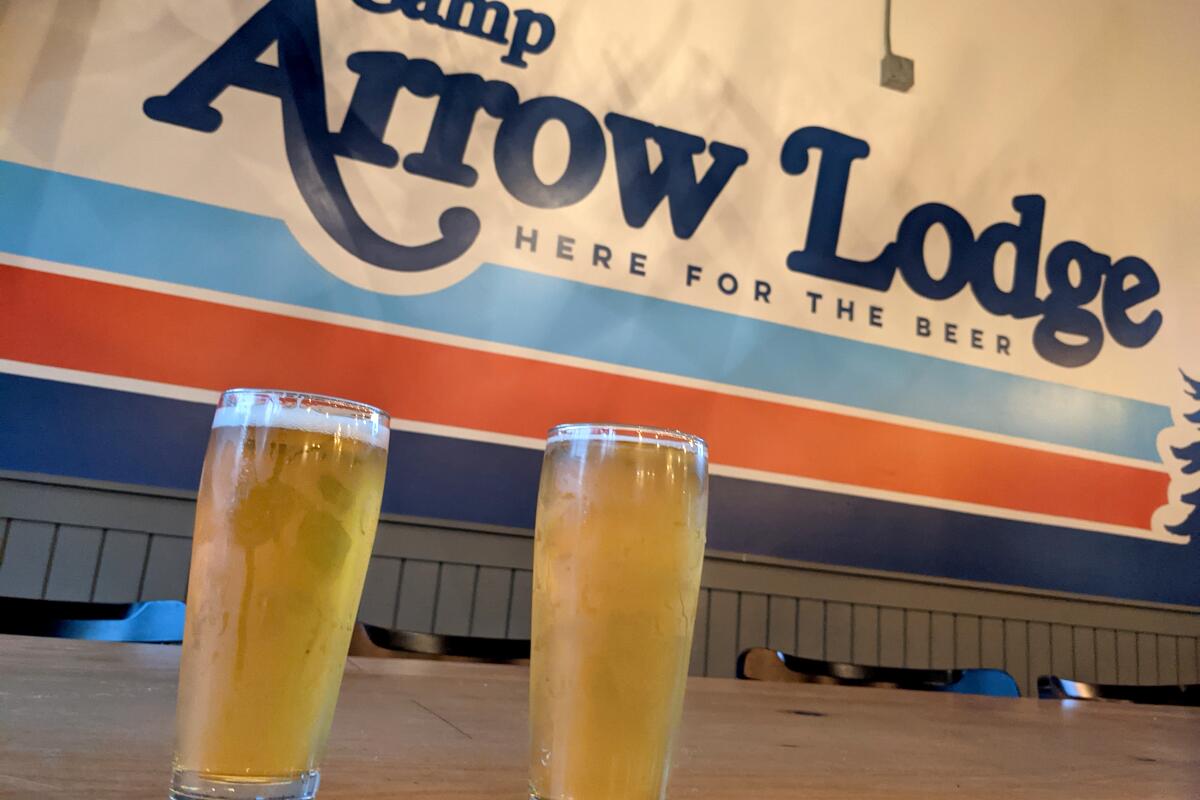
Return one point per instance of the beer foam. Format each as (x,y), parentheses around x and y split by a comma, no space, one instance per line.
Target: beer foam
(372,430)
(638,434)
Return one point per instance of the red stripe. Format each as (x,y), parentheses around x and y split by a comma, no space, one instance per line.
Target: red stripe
(115,330)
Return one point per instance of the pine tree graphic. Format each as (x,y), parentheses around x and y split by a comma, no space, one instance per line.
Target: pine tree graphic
(1192,391)
(1193,387)
(1190,456)
(1191,523)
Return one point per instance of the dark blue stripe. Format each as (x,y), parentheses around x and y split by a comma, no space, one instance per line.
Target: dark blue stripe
(811,525)
(85,432)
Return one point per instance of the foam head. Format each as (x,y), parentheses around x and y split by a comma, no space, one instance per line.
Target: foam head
(635,434)
(254,408)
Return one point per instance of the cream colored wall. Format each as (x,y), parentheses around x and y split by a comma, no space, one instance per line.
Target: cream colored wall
(1092,103)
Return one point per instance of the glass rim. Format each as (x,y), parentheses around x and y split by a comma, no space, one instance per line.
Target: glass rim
(329,401)
(669,436)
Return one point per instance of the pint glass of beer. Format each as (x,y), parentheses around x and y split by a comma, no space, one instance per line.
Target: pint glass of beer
(616,575)
(285,521)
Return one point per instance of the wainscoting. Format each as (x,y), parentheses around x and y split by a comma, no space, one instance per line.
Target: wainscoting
(79,540)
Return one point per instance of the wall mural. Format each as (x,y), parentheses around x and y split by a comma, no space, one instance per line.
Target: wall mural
(920,333)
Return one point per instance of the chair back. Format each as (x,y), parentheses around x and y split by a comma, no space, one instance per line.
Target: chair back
(1052,687)
(762,664)
(155,621)
(376,642)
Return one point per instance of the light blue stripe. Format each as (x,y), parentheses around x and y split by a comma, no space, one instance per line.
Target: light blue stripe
(79,221)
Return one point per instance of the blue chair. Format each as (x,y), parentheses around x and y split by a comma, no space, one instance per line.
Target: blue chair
(1052,687)
(762,664)
(152,621)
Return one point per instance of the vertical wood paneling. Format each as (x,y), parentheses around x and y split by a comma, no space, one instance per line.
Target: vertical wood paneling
(1127,658)
(1085,654)
(122,563)
(1147,658)
(1188,672)
(891,637)
(810,629)
(722,634)
(456,598)
(75,556)
(519,618)
(966,648)
(379,592)
(1168,660)
(439,588)
(418,591)
(26,558)
(991,643)
(1106,656)
(916,639)
(166,568)
(1016,655)
(490,615)
(839,623)
(1062,651)
(1041,655)
(865,645)
(699,658)
(782,633)
(941,631)
(752,621)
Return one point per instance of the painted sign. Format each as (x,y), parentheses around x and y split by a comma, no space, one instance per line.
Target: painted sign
(919,335)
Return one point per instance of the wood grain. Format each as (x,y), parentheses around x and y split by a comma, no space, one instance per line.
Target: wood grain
(86,719)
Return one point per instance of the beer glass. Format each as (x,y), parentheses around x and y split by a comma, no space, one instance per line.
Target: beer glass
(616,575)
(285,521)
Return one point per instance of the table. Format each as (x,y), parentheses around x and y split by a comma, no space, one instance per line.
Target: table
(91,719)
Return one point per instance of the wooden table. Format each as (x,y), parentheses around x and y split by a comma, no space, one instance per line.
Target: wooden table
(86,719)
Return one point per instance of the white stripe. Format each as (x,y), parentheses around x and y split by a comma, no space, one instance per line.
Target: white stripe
(530,443)
(114,382)
(471,434)
(360,323)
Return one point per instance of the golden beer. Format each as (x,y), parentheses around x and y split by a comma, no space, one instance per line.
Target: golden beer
(617,556)
(285,523)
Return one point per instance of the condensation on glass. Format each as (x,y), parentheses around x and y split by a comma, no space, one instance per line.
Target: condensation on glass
(285,523)
(617,556)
